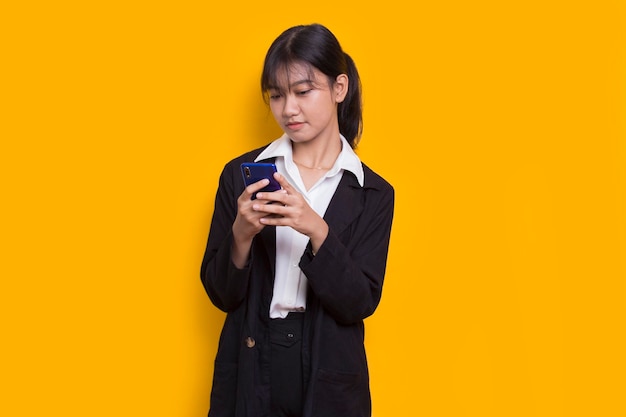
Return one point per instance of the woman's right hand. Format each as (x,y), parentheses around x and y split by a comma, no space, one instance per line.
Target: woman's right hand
(247,224)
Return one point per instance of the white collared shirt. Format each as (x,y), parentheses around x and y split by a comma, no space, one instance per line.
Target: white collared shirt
(290,283)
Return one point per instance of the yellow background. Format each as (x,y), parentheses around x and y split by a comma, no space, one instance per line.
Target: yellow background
(502,126)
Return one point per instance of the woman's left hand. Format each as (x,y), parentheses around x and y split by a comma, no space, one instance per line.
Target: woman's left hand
(291,209)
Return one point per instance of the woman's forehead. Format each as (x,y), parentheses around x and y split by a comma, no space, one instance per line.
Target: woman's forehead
(296,73)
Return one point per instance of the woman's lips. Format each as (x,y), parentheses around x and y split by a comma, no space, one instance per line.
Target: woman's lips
(295,125)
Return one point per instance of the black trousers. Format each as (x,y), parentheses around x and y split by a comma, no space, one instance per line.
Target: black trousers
(286,382)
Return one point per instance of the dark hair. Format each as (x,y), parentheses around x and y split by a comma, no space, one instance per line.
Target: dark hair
(315,45)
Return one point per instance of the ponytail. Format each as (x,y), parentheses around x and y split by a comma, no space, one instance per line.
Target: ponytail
(350,111)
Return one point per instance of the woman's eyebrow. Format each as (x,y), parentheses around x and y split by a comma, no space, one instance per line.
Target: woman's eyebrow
(300,82)
(292,85)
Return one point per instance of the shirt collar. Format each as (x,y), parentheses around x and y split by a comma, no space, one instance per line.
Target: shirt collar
(347,159)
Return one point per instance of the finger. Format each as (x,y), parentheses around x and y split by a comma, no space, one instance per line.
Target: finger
(253,188)
(284,183)
(273,220)
(274,197)
(268,208)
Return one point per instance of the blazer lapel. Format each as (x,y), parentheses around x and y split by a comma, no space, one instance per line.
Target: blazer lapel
(346,204)
(268,236)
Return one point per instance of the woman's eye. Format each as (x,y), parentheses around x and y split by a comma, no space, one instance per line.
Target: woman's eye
(274,96)
(303,92)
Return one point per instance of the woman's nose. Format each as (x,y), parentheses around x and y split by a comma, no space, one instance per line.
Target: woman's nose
(291,106)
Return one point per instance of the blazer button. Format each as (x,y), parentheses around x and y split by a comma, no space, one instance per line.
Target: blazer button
(250,342)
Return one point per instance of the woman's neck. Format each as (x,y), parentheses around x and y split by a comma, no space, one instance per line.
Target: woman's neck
(320,156)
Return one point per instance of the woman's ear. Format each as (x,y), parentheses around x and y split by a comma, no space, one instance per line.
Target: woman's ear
(341,87)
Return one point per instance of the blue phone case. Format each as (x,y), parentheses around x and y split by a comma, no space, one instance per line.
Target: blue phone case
(255,171)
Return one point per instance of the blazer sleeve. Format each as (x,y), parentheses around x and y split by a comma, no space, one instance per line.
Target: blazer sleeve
(225,284)
(347,273)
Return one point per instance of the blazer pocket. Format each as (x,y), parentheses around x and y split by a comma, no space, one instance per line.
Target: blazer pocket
(341,394)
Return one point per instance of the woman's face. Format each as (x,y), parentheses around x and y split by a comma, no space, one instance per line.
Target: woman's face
(305,105)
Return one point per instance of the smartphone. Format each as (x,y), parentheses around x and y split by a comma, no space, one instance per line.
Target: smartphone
(255,171)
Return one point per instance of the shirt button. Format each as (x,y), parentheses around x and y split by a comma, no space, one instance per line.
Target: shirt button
(250,342)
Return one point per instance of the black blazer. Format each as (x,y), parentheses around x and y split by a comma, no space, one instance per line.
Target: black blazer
(345,285)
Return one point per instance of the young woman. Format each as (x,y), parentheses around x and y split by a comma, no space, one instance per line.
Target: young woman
(297,270)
